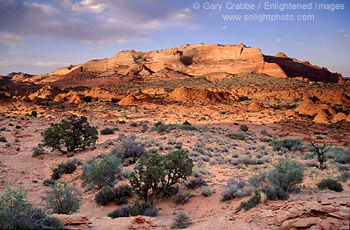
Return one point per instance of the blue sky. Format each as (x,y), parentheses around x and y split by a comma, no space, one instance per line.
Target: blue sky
(40,36)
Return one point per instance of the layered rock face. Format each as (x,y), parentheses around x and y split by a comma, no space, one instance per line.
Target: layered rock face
(190,60)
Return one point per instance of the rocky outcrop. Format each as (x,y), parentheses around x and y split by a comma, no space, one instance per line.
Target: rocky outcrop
(46,93)
(200,96)
(192,60)
(294,68)
(74,221)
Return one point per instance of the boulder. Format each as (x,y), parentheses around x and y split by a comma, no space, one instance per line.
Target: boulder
(75,221)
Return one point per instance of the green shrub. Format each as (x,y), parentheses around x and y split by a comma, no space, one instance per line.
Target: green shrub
(275,193)
(34,113)
(231,192)
(131,149)
(133,124)
(330,184)
(107,131)
(17,213)
(181,220)
(290,144)
(251,203)
(182,197)
(67,136)
(286,174)
(105,196)
(2,139)
(244,128)
(120,212)
(62,198)
(101,173)
(157,174)
(340,155)
(345,176)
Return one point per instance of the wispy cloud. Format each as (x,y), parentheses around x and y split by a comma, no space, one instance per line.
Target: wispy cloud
(346,35)
(90,21)
(278,40)
(321,49)
(340,31)
(51,64)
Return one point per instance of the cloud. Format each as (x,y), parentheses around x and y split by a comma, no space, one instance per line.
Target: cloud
(278,40)
(11,39)
(321,49)
(340,31)
(51,64)
(91,21)
(346,35)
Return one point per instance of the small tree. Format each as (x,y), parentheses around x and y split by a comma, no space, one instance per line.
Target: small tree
(320,150)
(62,198)
(70,135)
(156,175)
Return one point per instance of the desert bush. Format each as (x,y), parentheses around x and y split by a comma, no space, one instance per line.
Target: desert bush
(62,198)
(182,197)
(237,136)
(275,193)
(67,136)
(101,173)
(290,144)
(107,131)
(196,183)
(17,213)
(244,128)
(251,203)
(145,209)
(64,168)
(121,194)
(345,176)
(38,151)
(120,212)
(286,174)
(232,192)
(144,128)
(206,191)
(2,139)
(157,174)
(181,220)
(49,182)
(130,150)
(105,196)
(258,181)
(330,184)
(340,155)
(133,124)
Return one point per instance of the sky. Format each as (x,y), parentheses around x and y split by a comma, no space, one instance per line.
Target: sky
(38,37)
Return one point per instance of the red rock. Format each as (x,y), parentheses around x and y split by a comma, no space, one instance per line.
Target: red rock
(305,222)
(74,221)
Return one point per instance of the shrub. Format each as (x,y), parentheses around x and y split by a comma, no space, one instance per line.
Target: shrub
(182,197)
(120,212)
(286,174)
(133,124)
(345,176)
(206,191)
(237,136)
(181,220)
(145,209)
(105,196)
(330,184)
(340,155)
(107,131)
(196,183)
(244,128)
(157,174)
(34,113)
(121,194)
(144,128)
(67,136)
(290,144)
(37,151)
(49,182)
(2,139)
(101,173)
(17,213)
(231,192)
(132,150)
(251,203)
(64,168)
(276,193)
(62,198)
